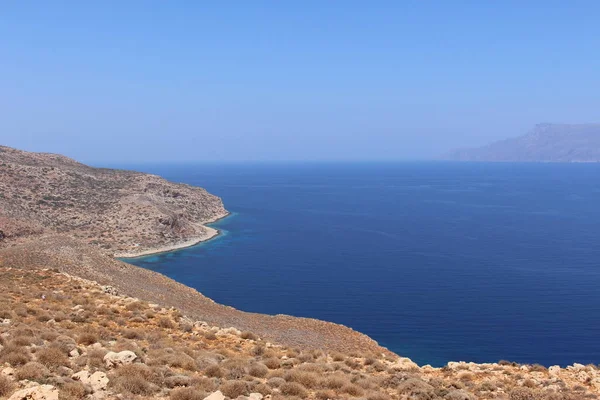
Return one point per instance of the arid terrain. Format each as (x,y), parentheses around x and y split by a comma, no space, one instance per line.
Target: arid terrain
(77,323)
(123,212)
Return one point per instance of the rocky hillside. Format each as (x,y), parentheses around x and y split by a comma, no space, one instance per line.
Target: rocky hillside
(63,337)
(545,143)
(120,211)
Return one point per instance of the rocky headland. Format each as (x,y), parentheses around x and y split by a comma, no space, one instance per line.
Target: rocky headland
(77,323)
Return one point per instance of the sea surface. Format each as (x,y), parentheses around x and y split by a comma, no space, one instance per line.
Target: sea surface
(436,261)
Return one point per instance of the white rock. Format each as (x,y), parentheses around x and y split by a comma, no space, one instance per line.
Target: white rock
(255,396)
(97,381)
(215,396)
(554,370)
(112,359)
(8,371)
(5,322)
(74,353)
(39,392)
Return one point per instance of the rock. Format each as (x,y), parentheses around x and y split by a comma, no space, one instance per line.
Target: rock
(255,396)
(97,381)
(554,370)
(38,392)
(112,359)
(215,396)
(74,353)
(10,371)
(459,395)
(5,322)
(110,290)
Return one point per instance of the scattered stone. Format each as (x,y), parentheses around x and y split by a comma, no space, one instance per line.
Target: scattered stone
(5,322)
(110,290)
(112,359)
(215,396)
(255,396)
(10,371)
(97,381)
(38,392)
(74,353)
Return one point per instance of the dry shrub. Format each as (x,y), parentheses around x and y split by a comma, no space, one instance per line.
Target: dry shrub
(378,396)
(248,336)
(538,368)
(166,322)
(210,336)
(338,357)
(178,380)
(88,338)
(334,382)
(258,370)
(52,357)
(325,395)
(293,389)
(236,369)
(234,389)
(135,379)
(32,371)
(65,344)
(15,355)
(262,389)
(6,386)
(72,391)
(133,334)
(95,358)
(352,390)
(272,363)
(6,314)
(214,371)
(275,382)
(186,394)
(305,378)
(415,388)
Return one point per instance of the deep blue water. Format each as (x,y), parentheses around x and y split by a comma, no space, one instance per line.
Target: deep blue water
(436,261)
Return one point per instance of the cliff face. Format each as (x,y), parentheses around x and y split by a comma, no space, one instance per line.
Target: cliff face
(120,211)
(545,143)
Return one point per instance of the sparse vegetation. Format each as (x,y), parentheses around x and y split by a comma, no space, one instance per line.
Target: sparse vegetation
(177,360)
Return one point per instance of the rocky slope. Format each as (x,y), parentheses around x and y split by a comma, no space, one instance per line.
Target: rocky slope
(545,143)
(66,337)
(120,211)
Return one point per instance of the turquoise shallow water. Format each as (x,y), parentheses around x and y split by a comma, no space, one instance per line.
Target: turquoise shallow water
(437,261)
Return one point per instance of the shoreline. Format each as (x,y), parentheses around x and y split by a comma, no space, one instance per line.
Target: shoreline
(210,233)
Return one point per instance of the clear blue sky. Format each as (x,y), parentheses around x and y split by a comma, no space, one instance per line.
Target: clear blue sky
(115,81)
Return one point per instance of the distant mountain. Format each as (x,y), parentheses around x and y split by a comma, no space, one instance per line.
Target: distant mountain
(545,143)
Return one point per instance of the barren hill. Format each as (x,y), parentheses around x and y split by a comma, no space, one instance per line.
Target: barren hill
(545,143)
(120,211)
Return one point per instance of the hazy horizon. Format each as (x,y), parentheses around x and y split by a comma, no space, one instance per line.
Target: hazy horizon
(141,82)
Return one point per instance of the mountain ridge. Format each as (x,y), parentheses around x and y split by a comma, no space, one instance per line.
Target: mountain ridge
(546,142)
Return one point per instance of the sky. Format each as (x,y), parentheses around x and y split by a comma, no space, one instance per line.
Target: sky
(163,81)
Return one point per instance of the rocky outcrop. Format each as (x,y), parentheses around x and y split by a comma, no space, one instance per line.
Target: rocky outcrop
(38,392)
(112,359)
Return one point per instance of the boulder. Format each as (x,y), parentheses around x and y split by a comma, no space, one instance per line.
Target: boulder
(215,396)
(554,370)
(97,381)
(112,359)
(255,396)
(38,392)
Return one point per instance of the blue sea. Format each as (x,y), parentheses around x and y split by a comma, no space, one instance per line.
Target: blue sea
(436,261)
